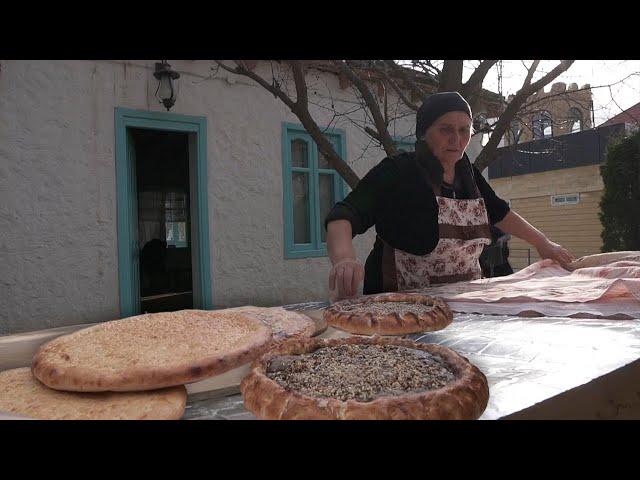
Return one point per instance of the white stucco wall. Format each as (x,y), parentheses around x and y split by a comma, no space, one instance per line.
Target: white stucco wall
(58,230)
(57,193)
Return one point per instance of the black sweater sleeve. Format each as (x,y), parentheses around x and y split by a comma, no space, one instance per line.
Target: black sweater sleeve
(497,208)
(361,206)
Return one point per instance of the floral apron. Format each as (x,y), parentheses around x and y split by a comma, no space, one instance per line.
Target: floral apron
(463,232)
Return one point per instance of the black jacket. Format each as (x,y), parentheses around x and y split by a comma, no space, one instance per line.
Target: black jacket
(398,198)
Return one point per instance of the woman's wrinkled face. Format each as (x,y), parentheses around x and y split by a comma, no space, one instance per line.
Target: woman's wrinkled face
(448,137)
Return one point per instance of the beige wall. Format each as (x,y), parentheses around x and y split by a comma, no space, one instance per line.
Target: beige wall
(576,227)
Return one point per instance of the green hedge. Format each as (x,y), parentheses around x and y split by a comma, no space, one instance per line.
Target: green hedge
(620,203)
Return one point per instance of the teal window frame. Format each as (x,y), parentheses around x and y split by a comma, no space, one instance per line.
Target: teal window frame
(290,132)
(128,272)
(402,142)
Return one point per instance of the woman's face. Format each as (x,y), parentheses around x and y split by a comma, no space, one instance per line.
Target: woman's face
(448,137)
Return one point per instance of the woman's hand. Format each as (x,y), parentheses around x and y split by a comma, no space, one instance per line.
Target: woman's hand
(549,249)
(516,225)
(345,278)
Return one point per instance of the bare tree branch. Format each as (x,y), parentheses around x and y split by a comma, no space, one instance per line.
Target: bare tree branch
(567,92)
(402,86)
(450,80)
(372,133)
(372,104)
(301,109)
(302,101)
(427,67)
(514,106)
(275,90)
(409,82)
(530,72)
(398,90)
(562,67)
(472,88)
(477,77)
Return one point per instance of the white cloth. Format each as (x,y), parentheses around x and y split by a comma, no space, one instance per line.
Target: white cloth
(604,290)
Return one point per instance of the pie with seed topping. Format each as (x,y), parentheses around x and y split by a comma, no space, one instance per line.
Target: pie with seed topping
(375,378)
(389,314)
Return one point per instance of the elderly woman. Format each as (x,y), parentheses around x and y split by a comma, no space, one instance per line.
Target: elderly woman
(431,208)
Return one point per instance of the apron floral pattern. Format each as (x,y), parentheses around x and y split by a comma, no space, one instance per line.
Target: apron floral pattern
(463,231)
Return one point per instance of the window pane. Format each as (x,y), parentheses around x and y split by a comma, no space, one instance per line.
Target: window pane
(537,129)
(322,160)
(542,122)
(176,234)
(516,130)
(176,213)
(406,146)
(326,200)
(182,232)
(575,119)
(575,126)
(299,154)
(301,221)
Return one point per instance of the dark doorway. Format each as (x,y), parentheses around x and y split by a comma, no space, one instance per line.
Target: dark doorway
(164,221)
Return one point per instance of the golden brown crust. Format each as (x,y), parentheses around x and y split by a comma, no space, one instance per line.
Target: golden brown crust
(285,324)
(464,398)
(437,316)
(150,351)
(22,394)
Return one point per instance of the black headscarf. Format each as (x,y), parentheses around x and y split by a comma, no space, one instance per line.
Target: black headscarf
(436,105)
(432,108)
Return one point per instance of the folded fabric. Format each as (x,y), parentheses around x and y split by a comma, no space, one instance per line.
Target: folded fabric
(595,286)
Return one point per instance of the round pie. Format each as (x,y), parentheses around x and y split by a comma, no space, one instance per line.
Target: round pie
(373,378)
(389,314)
(284,323)
(22,394)
(150,351)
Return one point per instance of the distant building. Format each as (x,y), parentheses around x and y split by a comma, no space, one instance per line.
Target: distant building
(630,118)
(559,111)
(555,184)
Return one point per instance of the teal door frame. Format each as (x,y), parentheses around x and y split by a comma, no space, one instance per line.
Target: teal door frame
(128,265)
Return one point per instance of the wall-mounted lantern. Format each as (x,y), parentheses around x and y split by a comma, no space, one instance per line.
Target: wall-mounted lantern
(166,91)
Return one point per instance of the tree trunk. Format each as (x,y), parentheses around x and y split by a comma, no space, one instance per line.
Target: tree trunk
(450,80)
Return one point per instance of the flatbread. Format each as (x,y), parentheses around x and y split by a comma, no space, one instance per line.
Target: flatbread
(285,324)
(150,351)
(364,378)
(22,394)
(393,313)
